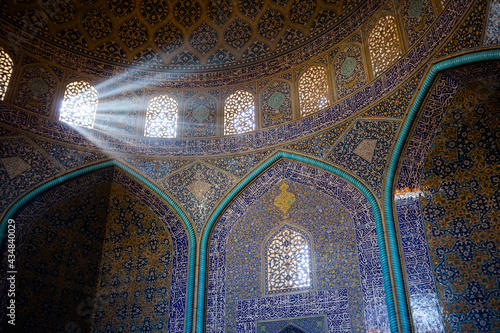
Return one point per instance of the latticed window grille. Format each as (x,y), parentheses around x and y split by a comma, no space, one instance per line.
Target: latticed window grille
(239,113)
(6,67)
(79,104)
(287,261)
(161,117)
(313,90)
(384,44)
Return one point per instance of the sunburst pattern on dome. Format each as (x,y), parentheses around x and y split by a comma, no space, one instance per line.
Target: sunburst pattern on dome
(168,32)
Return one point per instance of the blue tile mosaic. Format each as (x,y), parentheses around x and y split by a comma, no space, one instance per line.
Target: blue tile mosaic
(419,233)
(369,168)
(29,214)
(155,169)
(492,33)
(198,188)
(239,220)
(22,167)
(69,158)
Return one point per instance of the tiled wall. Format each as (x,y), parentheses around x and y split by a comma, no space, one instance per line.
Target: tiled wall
(93,256)
(348,286)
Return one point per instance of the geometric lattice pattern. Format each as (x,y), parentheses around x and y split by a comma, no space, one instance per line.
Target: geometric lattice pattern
(313,90)
(6,67)
(288,261)
(461,210)
(383,44)
(239,113)
(79,104)
(161,117)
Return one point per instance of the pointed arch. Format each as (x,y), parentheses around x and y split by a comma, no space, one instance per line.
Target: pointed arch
(21,202)
(217,212)
(384,44)
(200,116)
(395,160)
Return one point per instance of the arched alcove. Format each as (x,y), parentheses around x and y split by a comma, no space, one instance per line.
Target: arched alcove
(341,223)
(100,251)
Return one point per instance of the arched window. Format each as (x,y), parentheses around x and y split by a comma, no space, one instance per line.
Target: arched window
(161,117)
(384,44)
(313,90)
(6,67)
(239,113)
(79,104)
(288,261)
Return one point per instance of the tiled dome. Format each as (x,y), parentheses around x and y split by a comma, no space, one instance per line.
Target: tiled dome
(178,33)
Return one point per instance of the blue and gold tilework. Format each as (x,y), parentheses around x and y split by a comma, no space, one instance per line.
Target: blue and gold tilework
(364,149)
(198,188)
(22,166)
(346,290)
(114,262)
(460,210)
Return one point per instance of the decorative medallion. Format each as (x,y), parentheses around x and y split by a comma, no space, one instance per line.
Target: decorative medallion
(38,86)
(276,100)
(187,12)
(201,113)
(284,200)
(366,149)
(348,66)
(199,188)
(415,8)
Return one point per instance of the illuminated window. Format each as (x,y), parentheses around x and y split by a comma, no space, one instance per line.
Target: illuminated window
(79,104)
(287,261)
(239,113)
(161,117)
(6,67)
(313,90)
(383,44)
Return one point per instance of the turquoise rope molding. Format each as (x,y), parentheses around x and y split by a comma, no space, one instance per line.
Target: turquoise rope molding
(322,165)
(389,211)
(114,163)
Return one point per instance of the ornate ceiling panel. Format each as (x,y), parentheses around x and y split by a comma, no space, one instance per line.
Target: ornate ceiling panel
(179,33)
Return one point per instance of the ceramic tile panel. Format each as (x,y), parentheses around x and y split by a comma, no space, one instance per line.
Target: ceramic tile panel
(235,301)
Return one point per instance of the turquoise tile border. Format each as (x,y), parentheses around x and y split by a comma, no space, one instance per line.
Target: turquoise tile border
(256,173)
(113,163)
(389,210)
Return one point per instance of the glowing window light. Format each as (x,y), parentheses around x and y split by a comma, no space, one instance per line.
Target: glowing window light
(287,259)
(6,67)
(313,90)
(239,113)
(79,104)
(383,44)
(161,117)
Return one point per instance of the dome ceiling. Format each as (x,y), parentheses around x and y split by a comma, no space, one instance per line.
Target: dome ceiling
(194,34)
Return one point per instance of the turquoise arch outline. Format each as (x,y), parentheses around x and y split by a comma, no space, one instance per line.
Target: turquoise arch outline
(389,211)
(114,163)
(254,175)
